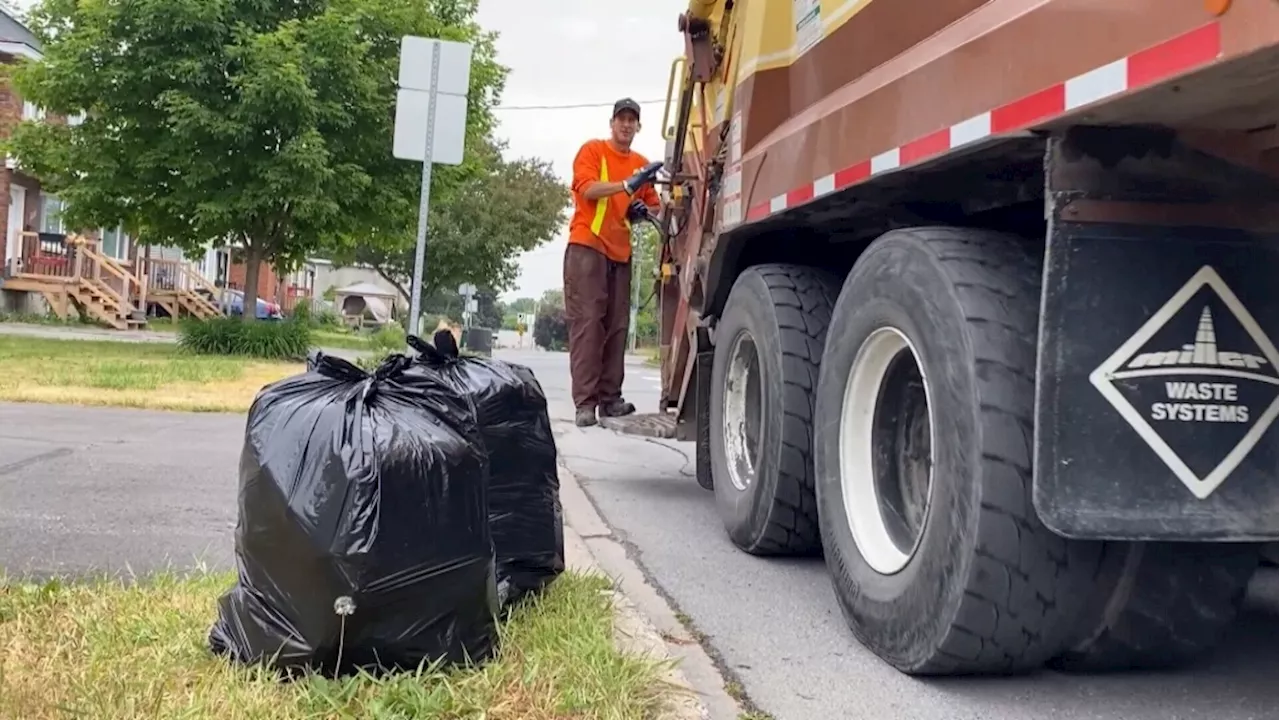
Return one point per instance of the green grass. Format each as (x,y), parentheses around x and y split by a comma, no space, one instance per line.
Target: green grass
(390,338)
(340,339)
(124,374)
(162,324)
(108,650)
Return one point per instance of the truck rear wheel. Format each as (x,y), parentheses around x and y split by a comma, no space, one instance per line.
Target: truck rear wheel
(1158,605)
(767,349)
(923,432)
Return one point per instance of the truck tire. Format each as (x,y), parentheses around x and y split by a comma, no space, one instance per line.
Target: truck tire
(1158,605)
(768,344)
(923,448)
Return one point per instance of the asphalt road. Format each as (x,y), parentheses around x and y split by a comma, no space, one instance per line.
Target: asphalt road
(775,625)
(91,490)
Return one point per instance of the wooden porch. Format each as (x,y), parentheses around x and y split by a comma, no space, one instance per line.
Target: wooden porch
(179,289)
(73,274)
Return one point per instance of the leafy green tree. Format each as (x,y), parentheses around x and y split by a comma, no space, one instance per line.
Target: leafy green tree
(522,305)
(488,310)
(476,230)
(644,273)
(265,125)
(552,299)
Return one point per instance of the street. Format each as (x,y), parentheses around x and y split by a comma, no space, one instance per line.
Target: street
(84,490)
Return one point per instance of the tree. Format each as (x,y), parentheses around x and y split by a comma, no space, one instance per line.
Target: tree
(488,310)
(266,125)
(644,264)
(475,232)
(552,299)
(551,330)
(522,305)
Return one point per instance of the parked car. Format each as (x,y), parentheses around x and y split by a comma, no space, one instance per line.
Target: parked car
(231,302)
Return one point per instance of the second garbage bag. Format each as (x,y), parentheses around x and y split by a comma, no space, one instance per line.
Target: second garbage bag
(363,539)
(524,488)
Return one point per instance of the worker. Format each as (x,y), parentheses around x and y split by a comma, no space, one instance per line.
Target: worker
(612,186)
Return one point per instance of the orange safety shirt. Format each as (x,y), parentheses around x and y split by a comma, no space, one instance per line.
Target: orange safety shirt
(602,224)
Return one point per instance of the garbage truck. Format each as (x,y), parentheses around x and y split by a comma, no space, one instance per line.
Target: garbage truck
(978,300)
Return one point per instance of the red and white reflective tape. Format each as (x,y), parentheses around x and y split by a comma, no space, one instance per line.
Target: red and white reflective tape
(1172,57)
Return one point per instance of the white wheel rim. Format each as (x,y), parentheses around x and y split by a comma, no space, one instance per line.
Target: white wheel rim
(882,464)
(743,407)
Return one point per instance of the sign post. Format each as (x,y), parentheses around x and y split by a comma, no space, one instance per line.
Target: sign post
(469,305)
(431,120)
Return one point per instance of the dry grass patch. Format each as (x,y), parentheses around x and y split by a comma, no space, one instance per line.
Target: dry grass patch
(111,651)
(156,376)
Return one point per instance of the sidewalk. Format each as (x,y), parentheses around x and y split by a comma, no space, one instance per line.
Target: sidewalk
(646,623)
(73,332)
(95,334)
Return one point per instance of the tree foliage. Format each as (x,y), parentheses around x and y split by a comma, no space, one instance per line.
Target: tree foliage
(644,273)
(267,125)
(475,233)
(551,329)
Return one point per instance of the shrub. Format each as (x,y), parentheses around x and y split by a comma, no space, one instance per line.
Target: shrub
(301,312)
(326,318)
(274,340)
(551,330)
(388,338)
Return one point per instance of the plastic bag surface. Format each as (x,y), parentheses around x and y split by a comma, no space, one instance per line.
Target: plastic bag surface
(525,515)
(363,537)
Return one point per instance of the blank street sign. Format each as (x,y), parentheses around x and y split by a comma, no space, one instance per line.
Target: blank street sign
(411,127)
(413,100)
(415,65)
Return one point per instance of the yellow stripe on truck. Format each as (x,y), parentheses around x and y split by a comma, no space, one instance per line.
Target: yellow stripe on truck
(603,203)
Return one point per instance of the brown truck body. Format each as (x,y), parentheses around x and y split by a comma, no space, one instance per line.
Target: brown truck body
(897,88)
(980,299)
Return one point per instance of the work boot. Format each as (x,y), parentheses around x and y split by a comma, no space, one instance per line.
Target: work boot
(617,408)
(585,417)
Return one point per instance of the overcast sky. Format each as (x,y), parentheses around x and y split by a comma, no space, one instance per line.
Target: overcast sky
(570,52)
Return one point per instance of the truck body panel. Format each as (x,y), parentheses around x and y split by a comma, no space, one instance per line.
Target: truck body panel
(792,120)
(1004,278)
(829,120)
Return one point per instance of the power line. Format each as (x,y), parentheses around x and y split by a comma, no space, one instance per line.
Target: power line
(572,106)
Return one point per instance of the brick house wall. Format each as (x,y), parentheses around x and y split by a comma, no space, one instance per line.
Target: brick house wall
(268,283)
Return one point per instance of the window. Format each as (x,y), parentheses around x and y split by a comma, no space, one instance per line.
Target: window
(115,243)
(51,214)
(30,111)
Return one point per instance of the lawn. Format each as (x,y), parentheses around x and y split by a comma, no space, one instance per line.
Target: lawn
(341,339)
(156,376)
(111,650)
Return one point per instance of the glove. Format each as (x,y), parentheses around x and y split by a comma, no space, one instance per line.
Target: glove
(641,177)
(637,211)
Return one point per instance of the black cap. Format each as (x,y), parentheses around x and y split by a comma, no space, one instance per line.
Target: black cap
(626,104)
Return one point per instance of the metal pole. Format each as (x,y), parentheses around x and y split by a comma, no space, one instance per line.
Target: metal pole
(420,252)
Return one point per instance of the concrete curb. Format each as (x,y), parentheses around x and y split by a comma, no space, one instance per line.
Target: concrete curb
(646,623)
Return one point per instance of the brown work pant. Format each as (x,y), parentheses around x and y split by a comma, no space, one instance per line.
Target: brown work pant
(597,306)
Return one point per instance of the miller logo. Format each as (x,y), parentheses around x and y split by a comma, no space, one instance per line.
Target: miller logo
(1182,383)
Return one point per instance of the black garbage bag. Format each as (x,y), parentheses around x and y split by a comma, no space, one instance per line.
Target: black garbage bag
(363,539)
(525,516)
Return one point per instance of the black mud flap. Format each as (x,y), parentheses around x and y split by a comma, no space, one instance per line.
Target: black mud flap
(1157,377)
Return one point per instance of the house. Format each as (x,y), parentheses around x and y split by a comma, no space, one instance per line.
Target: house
(103,272)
